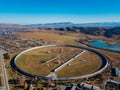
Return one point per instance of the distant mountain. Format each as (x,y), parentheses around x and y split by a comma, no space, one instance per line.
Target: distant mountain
(14,27)
(98,31)
(69,24)
(53,25)
(103,24)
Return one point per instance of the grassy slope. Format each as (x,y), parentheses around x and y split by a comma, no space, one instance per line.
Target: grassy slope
(49,37)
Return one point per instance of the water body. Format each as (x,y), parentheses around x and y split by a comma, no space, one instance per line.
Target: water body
(102,44)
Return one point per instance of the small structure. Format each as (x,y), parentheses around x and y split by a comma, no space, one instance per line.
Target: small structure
(68,64)
(72,87)
(21,79)
(43,61)
(85,86)
(52,75)
(30,87)
(58,62)
(111,84)
(115,71)
(6,56)
(63,87)
(119,86)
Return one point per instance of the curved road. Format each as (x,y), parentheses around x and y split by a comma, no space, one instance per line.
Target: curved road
(101,69)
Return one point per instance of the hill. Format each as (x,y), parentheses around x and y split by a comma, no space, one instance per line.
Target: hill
(98,31)
(103,29)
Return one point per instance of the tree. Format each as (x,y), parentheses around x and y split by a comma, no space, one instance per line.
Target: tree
(25,86)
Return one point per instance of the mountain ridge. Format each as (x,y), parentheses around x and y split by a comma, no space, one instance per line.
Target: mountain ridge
(108,30)
(69,24)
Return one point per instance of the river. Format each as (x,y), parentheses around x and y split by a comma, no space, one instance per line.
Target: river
(102,44)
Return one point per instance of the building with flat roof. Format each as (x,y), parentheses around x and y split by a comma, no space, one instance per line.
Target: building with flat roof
(115,71)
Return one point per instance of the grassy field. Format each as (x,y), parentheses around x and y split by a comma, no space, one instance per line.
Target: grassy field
(69,38)
(59,39)
(85,64)
(33,59)
(52,37)
(44,60)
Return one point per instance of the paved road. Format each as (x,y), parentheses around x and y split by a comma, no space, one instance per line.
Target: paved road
(4,72)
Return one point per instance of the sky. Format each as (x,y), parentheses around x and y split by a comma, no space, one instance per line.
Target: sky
(51,11)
